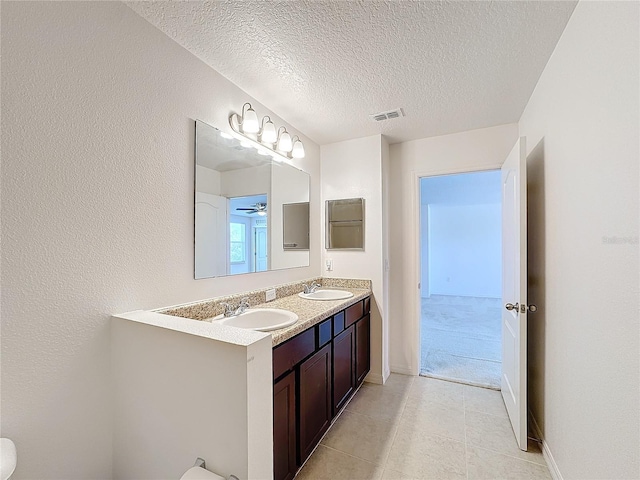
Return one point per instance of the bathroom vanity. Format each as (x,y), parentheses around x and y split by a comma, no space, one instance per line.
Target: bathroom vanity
(315,374)
(186,386)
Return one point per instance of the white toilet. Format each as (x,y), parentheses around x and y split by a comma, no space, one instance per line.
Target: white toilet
(8,458)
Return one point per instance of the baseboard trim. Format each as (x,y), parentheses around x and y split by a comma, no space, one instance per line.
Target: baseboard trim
(374,378)
(546,451)
(402,370)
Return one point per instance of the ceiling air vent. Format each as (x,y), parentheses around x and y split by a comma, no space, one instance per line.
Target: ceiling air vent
(378,117)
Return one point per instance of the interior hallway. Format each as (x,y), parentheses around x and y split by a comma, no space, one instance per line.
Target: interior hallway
(460,339)
(423,428)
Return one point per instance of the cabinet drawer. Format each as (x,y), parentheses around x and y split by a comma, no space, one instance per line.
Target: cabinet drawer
(353,314)
(338,323)
(324,333)
(293,351)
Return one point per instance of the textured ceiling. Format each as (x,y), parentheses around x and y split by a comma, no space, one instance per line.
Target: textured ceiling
(325,66)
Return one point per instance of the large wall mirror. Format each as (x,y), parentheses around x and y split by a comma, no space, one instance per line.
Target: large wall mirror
(243,203)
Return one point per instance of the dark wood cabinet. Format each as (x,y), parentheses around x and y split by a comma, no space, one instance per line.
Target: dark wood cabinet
(316,373)
(363,348)
(284,428)
(315,400)
(344,378)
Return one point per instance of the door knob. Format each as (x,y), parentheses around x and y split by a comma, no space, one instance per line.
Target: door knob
(522,308)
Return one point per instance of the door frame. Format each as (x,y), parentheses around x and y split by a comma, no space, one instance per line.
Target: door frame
(412,295)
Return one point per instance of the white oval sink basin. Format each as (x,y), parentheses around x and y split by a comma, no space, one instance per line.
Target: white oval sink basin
(326,295)
(262,319)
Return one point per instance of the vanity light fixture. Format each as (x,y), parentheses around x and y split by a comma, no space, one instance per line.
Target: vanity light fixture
(268,134)
(298,148)
(249,121)
(284,141)
(264,137)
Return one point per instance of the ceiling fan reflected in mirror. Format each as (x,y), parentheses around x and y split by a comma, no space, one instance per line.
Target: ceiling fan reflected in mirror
(260,208)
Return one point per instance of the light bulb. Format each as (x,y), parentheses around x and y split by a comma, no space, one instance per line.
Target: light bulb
(284,142)
(269,134)
(298,149)
(262,213)
(250,122)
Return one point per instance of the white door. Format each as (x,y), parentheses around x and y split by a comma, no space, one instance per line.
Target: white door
(211,235)
(514,289)
(260,241)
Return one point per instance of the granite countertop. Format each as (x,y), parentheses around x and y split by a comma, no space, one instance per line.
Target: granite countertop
(310,312)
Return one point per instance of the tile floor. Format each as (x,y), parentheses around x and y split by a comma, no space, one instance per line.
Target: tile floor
(460,339)
(423,428)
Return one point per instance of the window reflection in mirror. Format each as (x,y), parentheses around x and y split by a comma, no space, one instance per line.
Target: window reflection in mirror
(239,202)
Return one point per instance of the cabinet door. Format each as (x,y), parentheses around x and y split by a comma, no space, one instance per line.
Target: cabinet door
(344,378)
(363,348)
(315,400)
(284,428)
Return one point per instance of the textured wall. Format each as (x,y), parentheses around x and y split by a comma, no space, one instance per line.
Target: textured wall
(353,169)
(98,111)
(582,125)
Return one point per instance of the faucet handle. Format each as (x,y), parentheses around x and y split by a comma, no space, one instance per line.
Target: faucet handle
(305,288)
(245,302)
(227,308)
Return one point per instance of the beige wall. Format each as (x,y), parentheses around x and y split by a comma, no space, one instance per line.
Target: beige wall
(353,169)
(582,126)
(98,111)
(475,150)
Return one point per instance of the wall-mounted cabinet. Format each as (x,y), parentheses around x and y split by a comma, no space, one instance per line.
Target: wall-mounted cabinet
(316,373)
(345,224)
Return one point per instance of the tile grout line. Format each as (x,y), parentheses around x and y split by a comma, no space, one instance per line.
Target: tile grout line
(349,455)
(511,456)
(397,427)
(483,447)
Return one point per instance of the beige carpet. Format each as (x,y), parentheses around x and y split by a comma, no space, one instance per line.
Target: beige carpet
(461,339)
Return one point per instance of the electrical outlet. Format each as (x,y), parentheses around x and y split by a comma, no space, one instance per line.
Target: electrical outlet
(329,264)
(271,294)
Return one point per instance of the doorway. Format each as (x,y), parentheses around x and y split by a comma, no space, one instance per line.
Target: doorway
(248,224)
(461,277)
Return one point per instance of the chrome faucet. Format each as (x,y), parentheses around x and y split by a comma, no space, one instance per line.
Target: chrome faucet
(311,288)
(230,311)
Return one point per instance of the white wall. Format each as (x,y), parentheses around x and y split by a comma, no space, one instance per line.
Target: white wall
(582,126)
(353,169)
(465,250)
(482,149)
(469,239)
(98,115)
(246,182)
(207,180)
(287,186)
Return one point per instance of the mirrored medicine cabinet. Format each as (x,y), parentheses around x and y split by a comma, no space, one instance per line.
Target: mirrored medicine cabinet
(251,211)
(344,225)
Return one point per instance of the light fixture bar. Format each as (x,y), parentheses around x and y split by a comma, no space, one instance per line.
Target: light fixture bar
(280,148)
(277,156)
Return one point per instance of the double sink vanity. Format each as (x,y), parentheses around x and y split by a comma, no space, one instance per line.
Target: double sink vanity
(250,382)
(298,359)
